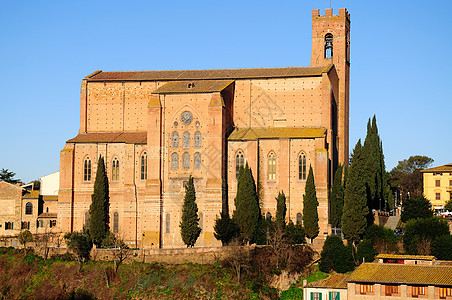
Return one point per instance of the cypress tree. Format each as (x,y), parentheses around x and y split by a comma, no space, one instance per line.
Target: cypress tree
(189,226)
(98,221)
(247,212)
(281,210)
(336,199)
(355,211)
(225,229)
(310,203)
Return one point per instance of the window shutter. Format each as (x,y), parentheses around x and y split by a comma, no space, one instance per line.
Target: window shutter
(338,296)
(330,295)
(12,225)
(312,296)
(320,296)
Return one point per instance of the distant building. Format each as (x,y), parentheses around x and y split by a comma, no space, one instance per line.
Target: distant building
(405,259)
(438,185)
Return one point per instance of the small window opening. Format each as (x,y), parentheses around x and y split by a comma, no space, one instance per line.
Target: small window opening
(328,46)
(191,85)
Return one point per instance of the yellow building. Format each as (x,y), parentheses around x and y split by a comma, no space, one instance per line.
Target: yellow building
(438,185)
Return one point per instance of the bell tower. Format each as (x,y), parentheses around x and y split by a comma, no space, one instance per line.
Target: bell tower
(331,45)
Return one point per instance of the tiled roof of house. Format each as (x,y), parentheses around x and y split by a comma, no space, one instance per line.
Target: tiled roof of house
(445,168)
(333,281)
(110,137)
(402,274)
(398,256)
(243,134)
(195,86)
(219,74)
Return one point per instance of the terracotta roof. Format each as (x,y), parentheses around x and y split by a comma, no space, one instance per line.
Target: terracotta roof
(333,281)
(402,274)
(110,137)
(445,168)
(48,215)
(244,134)
(208,74)
(195,86)
(413,257)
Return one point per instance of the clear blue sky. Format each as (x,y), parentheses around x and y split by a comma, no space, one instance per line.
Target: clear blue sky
(400,63)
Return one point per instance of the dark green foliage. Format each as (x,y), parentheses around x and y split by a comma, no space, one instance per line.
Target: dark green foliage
(366,250)
(25,237)
(281,210)
(189,226)
(98,221)
(295,233)
(448,205)
(247,212)
(355,212)
(265,228)
(335,256)
(7,175)
(310,204)
(225,229)
(382,239)
(419,233)
(337,199)
(36,185)
(442,247)
(416,207)
(80,243)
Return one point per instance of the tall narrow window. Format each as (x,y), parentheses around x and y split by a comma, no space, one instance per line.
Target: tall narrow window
(239,161)
(201,221)
(144,166)
(299,219)
(116,222)
(186,161)
(87,219)
(302,167)
(328,46)
(168,223)
(272,166)
(198,139)
(174,161)
(175,140)
(28,208)
(186,140)
(115,170)
(87,169)
(197,161)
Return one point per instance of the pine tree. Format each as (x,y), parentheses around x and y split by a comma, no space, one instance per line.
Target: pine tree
(247,212)
(310,203)
(225,229)
(189,226)
(98,222)
(336,199)
(281,210)
(355,211)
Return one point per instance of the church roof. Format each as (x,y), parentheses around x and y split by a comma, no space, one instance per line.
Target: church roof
(194,86)
(244,134)
(110,137)
(219,74)
(445,168)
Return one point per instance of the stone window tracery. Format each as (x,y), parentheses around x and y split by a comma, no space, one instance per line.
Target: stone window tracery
(186,140)
(186,117)
(116,222)
(87,169)
(186,161)
(28,208)
(175,140)
(115,170)
(302,166)
(197,139)
(272,166)
(174,161)
(197,161)
(239,161)
(144,166)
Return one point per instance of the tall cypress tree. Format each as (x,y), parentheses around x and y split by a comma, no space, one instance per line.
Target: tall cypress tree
(189,226)
(98,221)
(337,199)
(310,204)
(281,210)
(355,211)
(247,211)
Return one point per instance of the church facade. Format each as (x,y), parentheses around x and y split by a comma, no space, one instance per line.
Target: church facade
(156,128)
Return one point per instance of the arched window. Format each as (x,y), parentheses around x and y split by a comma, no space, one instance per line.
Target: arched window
(87,169)
(328,46)
(239,161)
(174,161)
(272,166)
(198,139)
(115,222)
(28,208)
(144,166)
(186,140)
(268,215)
(299,219)
(197,161)
(167,223)
(175,140)
(87,215)
(201,221)
(186,161)
(302,166)
(115,170)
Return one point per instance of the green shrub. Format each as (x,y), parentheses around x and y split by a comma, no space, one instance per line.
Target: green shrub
(366,251)
(336,256)
(442,247)
(419,233)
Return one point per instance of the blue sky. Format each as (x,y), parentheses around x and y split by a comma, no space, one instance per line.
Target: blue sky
(400,63)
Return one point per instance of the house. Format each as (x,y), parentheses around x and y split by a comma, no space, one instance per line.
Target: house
(438,185)
(332,288)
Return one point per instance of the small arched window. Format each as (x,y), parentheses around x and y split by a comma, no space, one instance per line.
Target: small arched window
(201,221)
(186,161)
(87,169)
(272,166)
(328,46)
(268,215)
(115,170)
(87,215)
(144,166)
(197,161)
(28,208)
(299,219)
(186,140)
(116,222)
(198,139)
(168,223)
(302,166)
(174,161)
(239,161)
(175,140)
